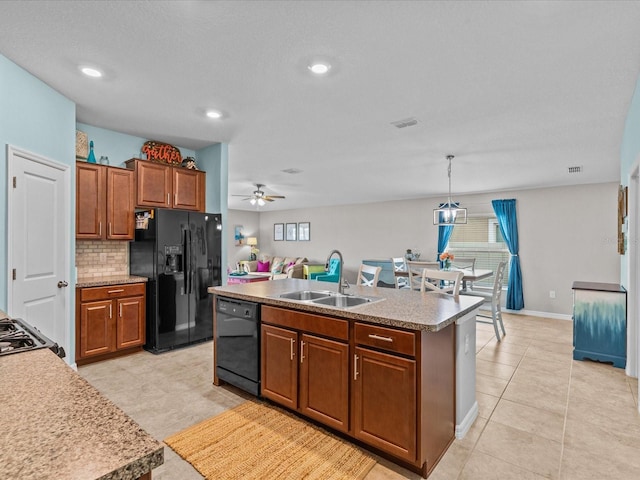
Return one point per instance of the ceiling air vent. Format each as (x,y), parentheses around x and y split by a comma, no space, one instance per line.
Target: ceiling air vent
(407,122)
(292,171)
(575,169)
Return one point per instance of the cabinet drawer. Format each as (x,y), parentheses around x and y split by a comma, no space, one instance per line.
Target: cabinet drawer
(384,338)
(307,322)
(112,291)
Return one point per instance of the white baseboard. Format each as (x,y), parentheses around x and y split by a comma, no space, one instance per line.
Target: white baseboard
(533,313)
(467,421)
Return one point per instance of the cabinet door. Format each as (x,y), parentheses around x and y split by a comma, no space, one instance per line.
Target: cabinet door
(279,365)
(90,200)
(130,328)
(120,204)
(97,328)
(324,381)
(385,402)
(154,185)
(188,189)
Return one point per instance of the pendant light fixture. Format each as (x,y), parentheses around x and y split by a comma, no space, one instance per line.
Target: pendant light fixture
(449,213)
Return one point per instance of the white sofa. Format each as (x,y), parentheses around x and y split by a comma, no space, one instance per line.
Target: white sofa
(287,267)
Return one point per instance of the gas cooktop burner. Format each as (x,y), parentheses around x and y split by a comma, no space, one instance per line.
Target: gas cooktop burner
(16,336)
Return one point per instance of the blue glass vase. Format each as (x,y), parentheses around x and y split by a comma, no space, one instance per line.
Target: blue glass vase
(91,158)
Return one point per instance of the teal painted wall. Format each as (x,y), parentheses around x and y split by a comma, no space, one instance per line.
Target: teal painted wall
(36,118)
(215,161)
(119,147)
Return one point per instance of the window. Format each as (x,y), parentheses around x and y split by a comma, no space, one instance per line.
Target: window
(481,239)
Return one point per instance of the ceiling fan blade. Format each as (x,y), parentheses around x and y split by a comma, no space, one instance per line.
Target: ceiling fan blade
(273,196)
(267,199)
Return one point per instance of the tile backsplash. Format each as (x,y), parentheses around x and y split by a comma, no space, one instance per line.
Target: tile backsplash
(96,258)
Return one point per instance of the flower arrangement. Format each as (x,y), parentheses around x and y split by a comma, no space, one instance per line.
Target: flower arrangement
(446,257)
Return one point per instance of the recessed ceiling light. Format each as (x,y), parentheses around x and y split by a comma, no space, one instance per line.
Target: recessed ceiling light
(91,72)
(320,68)
(214,114)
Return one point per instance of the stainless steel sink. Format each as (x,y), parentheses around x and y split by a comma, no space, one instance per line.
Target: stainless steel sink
(342,301)
(327,297)
(305,295)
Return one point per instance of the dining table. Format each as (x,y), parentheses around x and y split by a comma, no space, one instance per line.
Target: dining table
(470,275)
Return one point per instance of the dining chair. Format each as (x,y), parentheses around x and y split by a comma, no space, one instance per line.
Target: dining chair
(368,275)
(464,263)
(415,269)
(494,300)
(441,281)
(399,265)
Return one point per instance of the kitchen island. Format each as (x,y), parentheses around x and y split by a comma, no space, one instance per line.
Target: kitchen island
(56,425)
(395,374)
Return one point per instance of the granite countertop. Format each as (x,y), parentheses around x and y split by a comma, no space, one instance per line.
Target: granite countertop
(104,280)
(56,425)
(400,308)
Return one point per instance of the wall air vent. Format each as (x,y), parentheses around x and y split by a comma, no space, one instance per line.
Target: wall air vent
(575,169)
(407,122)
(292,171)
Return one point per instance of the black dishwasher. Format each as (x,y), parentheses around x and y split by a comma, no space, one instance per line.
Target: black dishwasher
(238,343)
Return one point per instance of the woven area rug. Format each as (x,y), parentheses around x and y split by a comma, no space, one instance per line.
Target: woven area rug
(255,441)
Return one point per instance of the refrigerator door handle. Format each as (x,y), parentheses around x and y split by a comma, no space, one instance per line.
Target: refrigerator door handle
(191,265)
(185,263)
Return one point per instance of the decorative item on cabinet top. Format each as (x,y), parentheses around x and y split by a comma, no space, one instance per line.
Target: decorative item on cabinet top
(162,152)
(82,145)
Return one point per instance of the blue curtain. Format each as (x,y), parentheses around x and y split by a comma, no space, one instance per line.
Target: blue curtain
(444,233)
(507,219)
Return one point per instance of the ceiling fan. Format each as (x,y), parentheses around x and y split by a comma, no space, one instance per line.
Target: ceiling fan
(259,197)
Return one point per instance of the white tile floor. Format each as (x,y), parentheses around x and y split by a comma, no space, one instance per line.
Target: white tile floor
(542,414)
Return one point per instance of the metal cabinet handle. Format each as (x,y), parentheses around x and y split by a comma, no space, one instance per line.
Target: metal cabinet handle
(110,312)
(175,198)
(119,290)
(355,366)
(293,342)
(100,229)
(168,199)
(120,310)
(301,351)
(110,229)
(378,337)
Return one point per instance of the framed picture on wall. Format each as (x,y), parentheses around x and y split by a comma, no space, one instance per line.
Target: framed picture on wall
(278,232)
(238,235)
(304,231)
(292,229)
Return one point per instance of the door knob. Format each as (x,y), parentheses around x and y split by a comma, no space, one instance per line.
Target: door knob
(62,284)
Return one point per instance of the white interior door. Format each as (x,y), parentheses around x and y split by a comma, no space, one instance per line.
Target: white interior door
(38,243)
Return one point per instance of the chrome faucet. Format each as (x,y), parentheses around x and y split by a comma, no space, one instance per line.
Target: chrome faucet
(340,267)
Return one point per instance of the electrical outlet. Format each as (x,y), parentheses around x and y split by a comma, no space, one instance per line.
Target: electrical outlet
(552,294)
(103,258)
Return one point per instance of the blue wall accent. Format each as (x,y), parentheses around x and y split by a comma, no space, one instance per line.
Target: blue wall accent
(215,161)
(36,118)
(119,147)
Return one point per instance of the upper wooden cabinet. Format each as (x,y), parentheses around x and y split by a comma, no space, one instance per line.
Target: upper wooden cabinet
(104,202)
(164,186)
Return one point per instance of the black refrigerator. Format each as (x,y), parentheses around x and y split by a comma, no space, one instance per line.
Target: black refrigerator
(180,253)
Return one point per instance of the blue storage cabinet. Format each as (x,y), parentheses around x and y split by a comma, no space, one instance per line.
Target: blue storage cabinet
(600,322)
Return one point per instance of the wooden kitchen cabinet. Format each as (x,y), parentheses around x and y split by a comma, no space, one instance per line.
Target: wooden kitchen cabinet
(104,202)
(110,321)
(304,371)
(164,186)
(385,402)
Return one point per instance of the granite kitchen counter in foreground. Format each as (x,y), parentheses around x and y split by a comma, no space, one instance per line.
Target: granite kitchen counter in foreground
(56,425)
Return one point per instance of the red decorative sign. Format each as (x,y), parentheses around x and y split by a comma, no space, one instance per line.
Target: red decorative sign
(162,152)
